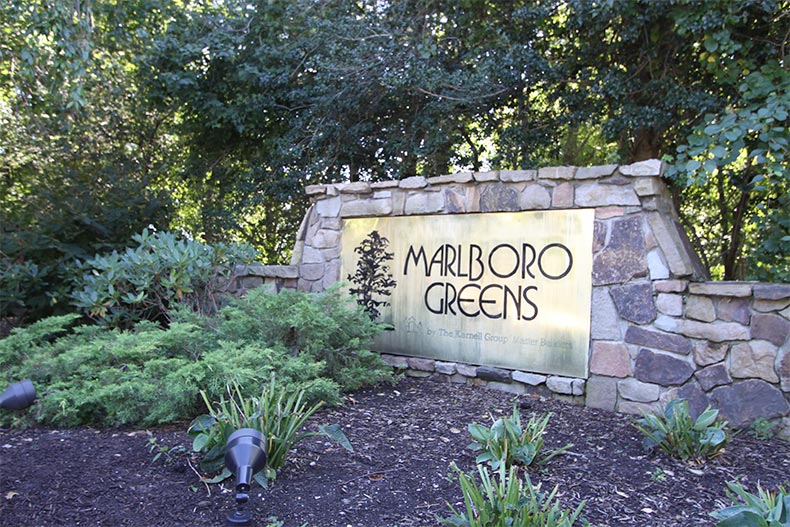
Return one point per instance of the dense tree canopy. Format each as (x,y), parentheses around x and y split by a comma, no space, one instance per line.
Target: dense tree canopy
(212,116)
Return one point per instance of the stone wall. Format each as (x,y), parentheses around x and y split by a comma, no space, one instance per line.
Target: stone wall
(658,330)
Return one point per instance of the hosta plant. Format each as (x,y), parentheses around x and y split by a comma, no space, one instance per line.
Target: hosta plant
(764,509)
(279,414)
(503,499)
(510,442)
(679,435)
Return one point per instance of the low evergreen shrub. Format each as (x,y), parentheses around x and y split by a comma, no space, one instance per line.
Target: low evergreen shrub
(149,374)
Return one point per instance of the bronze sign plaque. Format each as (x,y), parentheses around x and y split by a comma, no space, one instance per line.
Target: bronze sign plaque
(508,289)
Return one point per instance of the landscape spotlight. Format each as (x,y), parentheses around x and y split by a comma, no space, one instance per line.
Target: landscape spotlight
(18,396)
(245,455)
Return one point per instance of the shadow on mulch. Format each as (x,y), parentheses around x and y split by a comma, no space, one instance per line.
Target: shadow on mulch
(405,438)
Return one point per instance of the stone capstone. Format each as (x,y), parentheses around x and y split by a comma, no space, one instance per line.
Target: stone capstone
(659,368)
(658,340)
(413,183)
(517,176)
(736,289)
(649,167)
(597,195)
(485,177)
(562,172)
(624,256)
(634,302)
(493,374)
(771,291)
(595,172)
(741,403)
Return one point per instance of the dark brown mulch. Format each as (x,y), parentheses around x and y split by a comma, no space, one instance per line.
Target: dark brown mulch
(405,439)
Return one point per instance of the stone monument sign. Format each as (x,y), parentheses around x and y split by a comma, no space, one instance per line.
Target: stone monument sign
(508,289)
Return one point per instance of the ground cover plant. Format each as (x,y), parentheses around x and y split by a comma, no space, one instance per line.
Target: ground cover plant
(149,374)
(405,439)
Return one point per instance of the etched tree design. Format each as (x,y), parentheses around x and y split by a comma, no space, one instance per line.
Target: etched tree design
(372,278)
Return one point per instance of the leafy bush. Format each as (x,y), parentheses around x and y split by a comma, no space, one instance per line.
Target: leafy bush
(145,375)
(509,443)
(147,282)
(505,500)
(278,414)
(677,434)
(329,327)
(764,509)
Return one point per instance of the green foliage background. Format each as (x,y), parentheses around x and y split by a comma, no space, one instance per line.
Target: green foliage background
(212,117)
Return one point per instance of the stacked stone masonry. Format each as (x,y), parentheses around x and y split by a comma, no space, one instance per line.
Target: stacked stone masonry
(658,329)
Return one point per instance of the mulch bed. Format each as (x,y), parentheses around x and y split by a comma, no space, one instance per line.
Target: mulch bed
(405,438)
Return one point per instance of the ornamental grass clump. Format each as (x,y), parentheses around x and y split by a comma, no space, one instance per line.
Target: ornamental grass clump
(503,499)
(764,509)
(508,442)
(679,435)
(279,414)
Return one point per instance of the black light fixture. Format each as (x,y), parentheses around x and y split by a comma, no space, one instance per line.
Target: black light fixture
(245,455)
(18,395)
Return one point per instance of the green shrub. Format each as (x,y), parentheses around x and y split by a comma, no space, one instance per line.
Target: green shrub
(764,509)
(505,500)
(279,414)
(677,434)
(329,327)
(148,281)
(508,442)
(148,374)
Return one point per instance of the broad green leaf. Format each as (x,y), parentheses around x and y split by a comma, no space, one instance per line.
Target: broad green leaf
(336,432)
